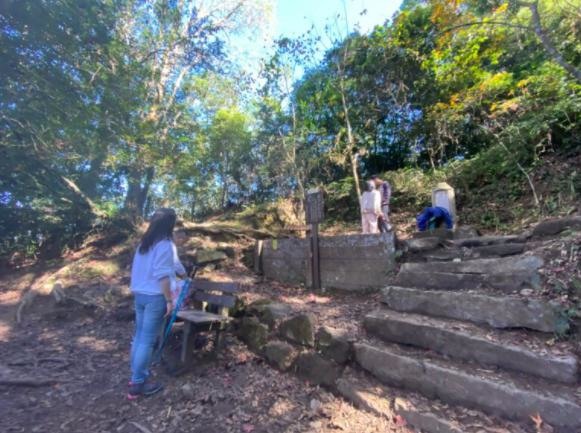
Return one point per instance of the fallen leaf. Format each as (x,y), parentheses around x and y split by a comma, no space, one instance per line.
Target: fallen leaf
(247,428)
(537,420)
(400,421)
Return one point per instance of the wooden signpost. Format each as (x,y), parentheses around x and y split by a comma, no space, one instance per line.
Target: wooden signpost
(314,215)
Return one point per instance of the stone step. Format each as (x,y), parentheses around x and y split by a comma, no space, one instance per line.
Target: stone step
(495,311)
(437,233)
(486,240)
(431,249)
(489,391)
(422,245)
(556,226)
(490,251)
(521,264)
(468,342)
(412,409)
(506,282)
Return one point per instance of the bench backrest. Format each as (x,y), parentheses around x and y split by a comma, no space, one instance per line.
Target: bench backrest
(219,295)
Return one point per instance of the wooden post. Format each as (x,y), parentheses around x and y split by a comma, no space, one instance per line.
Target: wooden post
(315,257)
(314,215)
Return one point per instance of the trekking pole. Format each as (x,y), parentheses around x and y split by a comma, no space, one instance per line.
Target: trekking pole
(174,314)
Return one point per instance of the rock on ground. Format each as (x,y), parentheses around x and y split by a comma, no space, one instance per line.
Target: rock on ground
(209,256)
(253,333)
(280,354)
(334,344)
(465,232)
(270,312)
(299,329)
(316,369)
(556,226)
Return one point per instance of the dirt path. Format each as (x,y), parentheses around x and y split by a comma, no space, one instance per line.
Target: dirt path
(86,353)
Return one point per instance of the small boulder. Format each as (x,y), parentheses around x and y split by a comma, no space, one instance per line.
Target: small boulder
(556,226)
(269,313)
(209,256)
(465,232)
(317,370)
(334,344)
(188,391)
(422,244)
(299,329)
(280,354)
(253,333)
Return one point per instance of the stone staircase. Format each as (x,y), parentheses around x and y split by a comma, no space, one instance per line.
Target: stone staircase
(456,330)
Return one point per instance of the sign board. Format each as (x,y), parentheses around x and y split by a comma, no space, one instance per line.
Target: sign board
(315,206)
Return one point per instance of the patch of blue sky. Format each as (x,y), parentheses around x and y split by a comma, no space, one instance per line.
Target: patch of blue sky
(333,20)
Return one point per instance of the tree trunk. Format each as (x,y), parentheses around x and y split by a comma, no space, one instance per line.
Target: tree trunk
(89,181)
(297,172)
(149,172)
(224,191)
(350,141)
(138,184)
(224,175)
(193,207)
(548,44)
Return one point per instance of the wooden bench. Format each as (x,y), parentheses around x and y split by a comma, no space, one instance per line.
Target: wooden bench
(214,300)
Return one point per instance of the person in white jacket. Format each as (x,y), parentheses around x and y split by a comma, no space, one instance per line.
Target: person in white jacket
(370,209)
(152,274)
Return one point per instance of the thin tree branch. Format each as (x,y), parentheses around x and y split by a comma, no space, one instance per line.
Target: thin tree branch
(548,44)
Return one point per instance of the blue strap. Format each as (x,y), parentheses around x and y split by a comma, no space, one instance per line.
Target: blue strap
(174,314)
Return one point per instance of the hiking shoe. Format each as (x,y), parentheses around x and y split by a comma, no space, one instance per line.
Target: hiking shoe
(145,389)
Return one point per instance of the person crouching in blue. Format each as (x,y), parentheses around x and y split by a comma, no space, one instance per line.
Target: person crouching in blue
(152,274)
(432,218)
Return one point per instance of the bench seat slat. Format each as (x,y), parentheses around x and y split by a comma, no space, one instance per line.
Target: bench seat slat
(207,285)
(197,316)
(227,301)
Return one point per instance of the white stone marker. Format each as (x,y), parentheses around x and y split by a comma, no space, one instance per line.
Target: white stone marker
(443,196)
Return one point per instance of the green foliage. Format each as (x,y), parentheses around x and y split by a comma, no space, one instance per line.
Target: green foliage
(98,105)
(112,108)
(341,201)
(271,216)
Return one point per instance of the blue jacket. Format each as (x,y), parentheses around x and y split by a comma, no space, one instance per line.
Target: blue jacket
(433,213)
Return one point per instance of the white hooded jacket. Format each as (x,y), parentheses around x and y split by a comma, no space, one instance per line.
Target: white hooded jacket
(371,202)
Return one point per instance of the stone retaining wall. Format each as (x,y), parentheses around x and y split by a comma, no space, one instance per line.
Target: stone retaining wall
(353,262)
(291,342)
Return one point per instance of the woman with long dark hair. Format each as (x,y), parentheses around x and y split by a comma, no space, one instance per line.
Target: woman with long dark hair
(152,274)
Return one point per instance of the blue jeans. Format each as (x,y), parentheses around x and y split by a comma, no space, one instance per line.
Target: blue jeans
(149,313)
